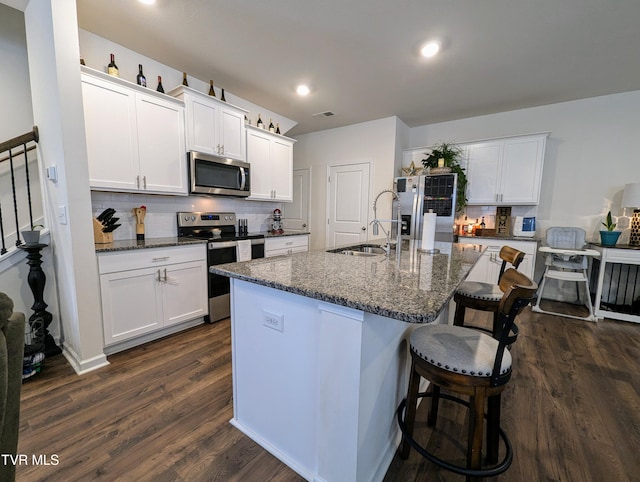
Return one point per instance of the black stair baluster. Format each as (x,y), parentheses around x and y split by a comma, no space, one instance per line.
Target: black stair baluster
(15,199)
(3,250)
(26,170)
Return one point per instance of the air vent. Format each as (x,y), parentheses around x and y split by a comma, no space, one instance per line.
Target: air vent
(327,113)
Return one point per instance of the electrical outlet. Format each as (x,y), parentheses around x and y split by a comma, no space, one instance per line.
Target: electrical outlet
(274,321)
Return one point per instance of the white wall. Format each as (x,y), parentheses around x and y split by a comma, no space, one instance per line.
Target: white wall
(52,42)
(373,141)
(591,154)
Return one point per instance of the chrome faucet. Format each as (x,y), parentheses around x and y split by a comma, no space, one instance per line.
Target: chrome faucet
(377,222)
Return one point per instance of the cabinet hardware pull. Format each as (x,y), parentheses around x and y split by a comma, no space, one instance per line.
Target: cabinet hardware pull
(165,275)
(222,149)
(144,182)
(163,258)
(138,182)
(159,280)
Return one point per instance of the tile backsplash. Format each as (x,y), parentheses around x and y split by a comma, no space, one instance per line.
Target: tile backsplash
(160,219)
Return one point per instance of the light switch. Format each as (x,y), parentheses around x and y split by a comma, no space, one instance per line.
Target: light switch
(62,214)
(52,174)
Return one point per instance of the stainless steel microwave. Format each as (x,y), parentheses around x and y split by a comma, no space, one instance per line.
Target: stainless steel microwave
(216,175)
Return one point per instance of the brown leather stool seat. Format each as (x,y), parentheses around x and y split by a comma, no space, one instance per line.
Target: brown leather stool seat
(484,296)
(471,363)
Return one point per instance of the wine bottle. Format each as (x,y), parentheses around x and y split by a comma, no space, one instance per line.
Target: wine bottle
(278,128)
(272,128)
(482,224)
(112,68)
(140,78)
(184,79)
(212,92)
(260,124)
(246,120)
(160,88)
(222,96)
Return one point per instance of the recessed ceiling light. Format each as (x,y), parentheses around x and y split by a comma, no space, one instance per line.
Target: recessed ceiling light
(147,2)
(430,49)
(302,90)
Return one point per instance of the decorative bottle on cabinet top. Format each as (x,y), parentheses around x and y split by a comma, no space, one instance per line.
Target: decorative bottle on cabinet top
(212,92)
(112,68)
(222,96)
(140,78)
(184,79)
(160,88)
(259,123)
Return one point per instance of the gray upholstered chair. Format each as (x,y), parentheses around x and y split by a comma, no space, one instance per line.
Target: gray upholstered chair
(12,326)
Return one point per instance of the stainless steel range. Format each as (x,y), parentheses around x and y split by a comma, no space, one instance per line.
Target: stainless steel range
(220,231)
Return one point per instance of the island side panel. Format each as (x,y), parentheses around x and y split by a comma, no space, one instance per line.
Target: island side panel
(321,394)
(274,382)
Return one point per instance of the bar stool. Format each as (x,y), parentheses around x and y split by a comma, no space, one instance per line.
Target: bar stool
(484,296)
(467,362)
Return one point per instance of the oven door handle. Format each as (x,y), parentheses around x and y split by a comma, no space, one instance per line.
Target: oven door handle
(243,179)
(223,245)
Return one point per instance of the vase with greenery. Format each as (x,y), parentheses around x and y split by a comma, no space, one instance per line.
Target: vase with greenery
(32,236)
(609,237)
(452,155)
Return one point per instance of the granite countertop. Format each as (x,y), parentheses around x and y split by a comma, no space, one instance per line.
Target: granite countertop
(128,244)
(415,289)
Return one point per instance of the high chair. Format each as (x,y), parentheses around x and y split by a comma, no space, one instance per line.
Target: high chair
(567,259)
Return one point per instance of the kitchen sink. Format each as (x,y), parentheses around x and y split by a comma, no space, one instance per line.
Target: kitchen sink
(362,250)
(350,252)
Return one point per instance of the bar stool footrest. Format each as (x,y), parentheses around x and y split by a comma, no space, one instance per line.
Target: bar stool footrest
(458,469)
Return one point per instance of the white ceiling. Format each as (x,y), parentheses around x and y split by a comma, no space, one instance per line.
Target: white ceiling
(360,56)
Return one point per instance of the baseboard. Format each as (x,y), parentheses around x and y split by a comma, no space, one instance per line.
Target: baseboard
(83,366)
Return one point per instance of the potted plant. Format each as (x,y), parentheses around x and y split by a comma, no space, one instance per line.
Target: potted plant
(452,154)
(609,237)
(32,236)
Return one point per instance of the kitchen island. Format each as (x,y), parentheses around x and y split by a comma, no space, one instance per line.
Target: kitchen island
(320,351)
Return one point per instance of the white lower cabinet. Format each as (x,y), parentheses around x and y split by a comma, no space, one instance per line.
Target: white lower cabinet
(286,245)
(488,266)
(147,291)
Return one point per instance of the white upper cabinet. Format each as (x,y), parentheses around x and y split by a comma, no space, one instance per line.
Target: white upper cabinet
(505,171)
(271,159)
(213,126)
(135,139)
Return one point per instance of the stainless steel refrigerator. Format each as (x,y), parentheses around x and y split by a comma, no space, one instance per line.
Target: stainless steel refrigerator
(419,194)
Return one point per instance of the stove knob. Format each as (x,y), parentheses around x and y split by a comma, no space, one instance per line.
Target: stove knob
(193,218)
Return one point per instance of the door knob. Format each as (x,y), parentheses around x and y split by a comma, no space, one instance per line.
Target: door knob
(304,225)
(363,228)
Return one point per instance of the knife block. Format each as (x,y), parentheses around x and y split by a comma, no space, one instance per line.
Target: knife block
(98,235)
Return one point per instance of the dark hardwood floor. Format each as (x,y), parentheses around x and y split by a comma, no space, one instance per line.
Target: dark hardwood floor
(160,412)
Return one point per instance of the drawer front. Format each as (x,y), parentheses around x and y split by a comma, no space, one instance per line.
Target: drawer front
(286,242)
(112,262)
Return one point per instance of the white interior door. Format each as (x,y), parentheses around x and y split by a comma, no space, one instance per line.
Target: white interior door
(295,215)
(348,204)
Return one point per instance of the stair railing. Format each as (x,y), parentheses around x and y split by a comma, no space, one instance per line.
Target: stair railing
(7,147)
